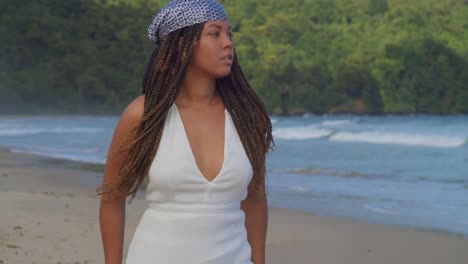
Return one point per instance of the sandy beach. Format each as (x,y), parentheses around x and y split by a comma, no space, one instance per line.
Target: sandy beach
(49,215)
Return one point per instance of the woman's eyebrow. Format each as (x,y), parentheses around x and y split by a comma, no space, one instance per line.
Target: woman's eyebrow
(218,26)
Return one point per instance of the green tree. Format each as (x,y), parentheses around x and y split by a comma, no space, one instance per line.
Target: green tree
(377,7)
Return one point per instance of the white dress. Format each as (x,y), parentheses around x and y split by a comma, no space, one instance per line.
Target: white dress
(189,219)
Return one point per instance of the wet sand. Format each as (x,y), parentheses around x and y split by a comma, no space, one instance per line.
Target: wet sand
(49,215)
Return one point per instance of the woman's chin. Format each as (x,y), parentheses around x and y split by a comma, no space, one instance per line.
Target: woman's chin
(222,74)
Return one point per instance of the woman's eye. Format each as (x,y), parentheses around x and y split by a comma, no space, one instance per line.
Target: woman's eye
(231,35)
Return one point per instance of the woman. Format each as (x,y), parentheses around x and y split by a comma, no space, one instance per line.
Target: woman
(199,135)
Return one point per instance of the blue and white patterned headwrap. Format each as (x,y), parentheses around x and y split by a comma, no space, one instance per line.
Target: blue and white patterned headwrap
(182,13)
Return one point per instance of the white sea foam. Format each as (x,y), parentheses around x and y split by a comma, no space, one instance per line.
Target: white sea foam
(61,149)
(335,123)
(33,131)
(399,138)
(298,188)
(83,156)
(380,210)
(302,132)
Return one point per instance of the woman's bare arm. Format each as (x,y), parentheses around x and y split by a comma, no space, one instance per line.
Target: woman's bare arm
(112,212)
(256,221)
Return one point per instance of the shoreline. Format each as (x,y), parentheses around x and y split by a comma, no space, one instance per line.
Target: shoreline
(272,115)
(51,218)
(98,168)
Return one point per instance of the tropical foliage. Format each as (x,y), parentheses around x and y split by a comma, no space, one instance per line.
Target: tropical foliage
(321,56)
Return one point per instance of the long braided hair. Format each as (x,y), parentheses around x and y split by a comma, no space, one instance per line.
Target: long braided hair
(161,84)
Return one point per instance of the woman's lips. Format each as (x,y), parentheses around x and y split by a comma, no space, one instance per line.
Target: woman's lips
(227,61)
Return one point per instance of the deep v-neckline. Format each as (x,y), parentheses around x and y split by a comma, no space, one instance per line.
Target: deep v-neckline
(192,155)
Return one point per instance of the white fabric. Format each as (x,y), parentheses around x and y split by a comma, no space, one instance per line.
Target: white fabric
(190,219)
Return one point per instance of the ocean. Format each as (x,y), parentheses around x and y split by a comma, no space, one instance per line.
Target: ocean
(409,171)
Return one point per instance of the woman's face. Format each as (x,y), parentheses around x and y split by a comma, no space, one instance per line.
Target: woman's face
(213,54)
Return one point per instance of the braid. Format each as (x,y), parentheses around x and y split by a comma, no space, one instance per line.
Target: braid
(251,120)
(161,83)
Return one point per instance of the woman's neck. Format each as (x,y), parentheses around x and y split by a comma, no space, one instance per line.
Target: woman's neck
(197,89)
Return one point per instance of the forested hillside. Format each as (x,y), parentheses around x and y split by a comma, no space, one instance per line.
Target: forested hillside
(320,56)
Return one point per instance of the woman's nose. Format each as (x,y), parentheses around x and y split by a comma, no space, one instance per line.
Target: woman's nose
(227,41)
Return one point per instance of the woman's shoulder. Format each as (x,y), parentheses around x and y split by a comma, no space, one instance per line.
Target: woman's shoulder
(133,113)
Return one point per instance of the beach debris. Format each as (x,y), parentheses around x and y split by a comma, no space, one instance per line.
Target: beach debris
(17,227)
(12,246)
